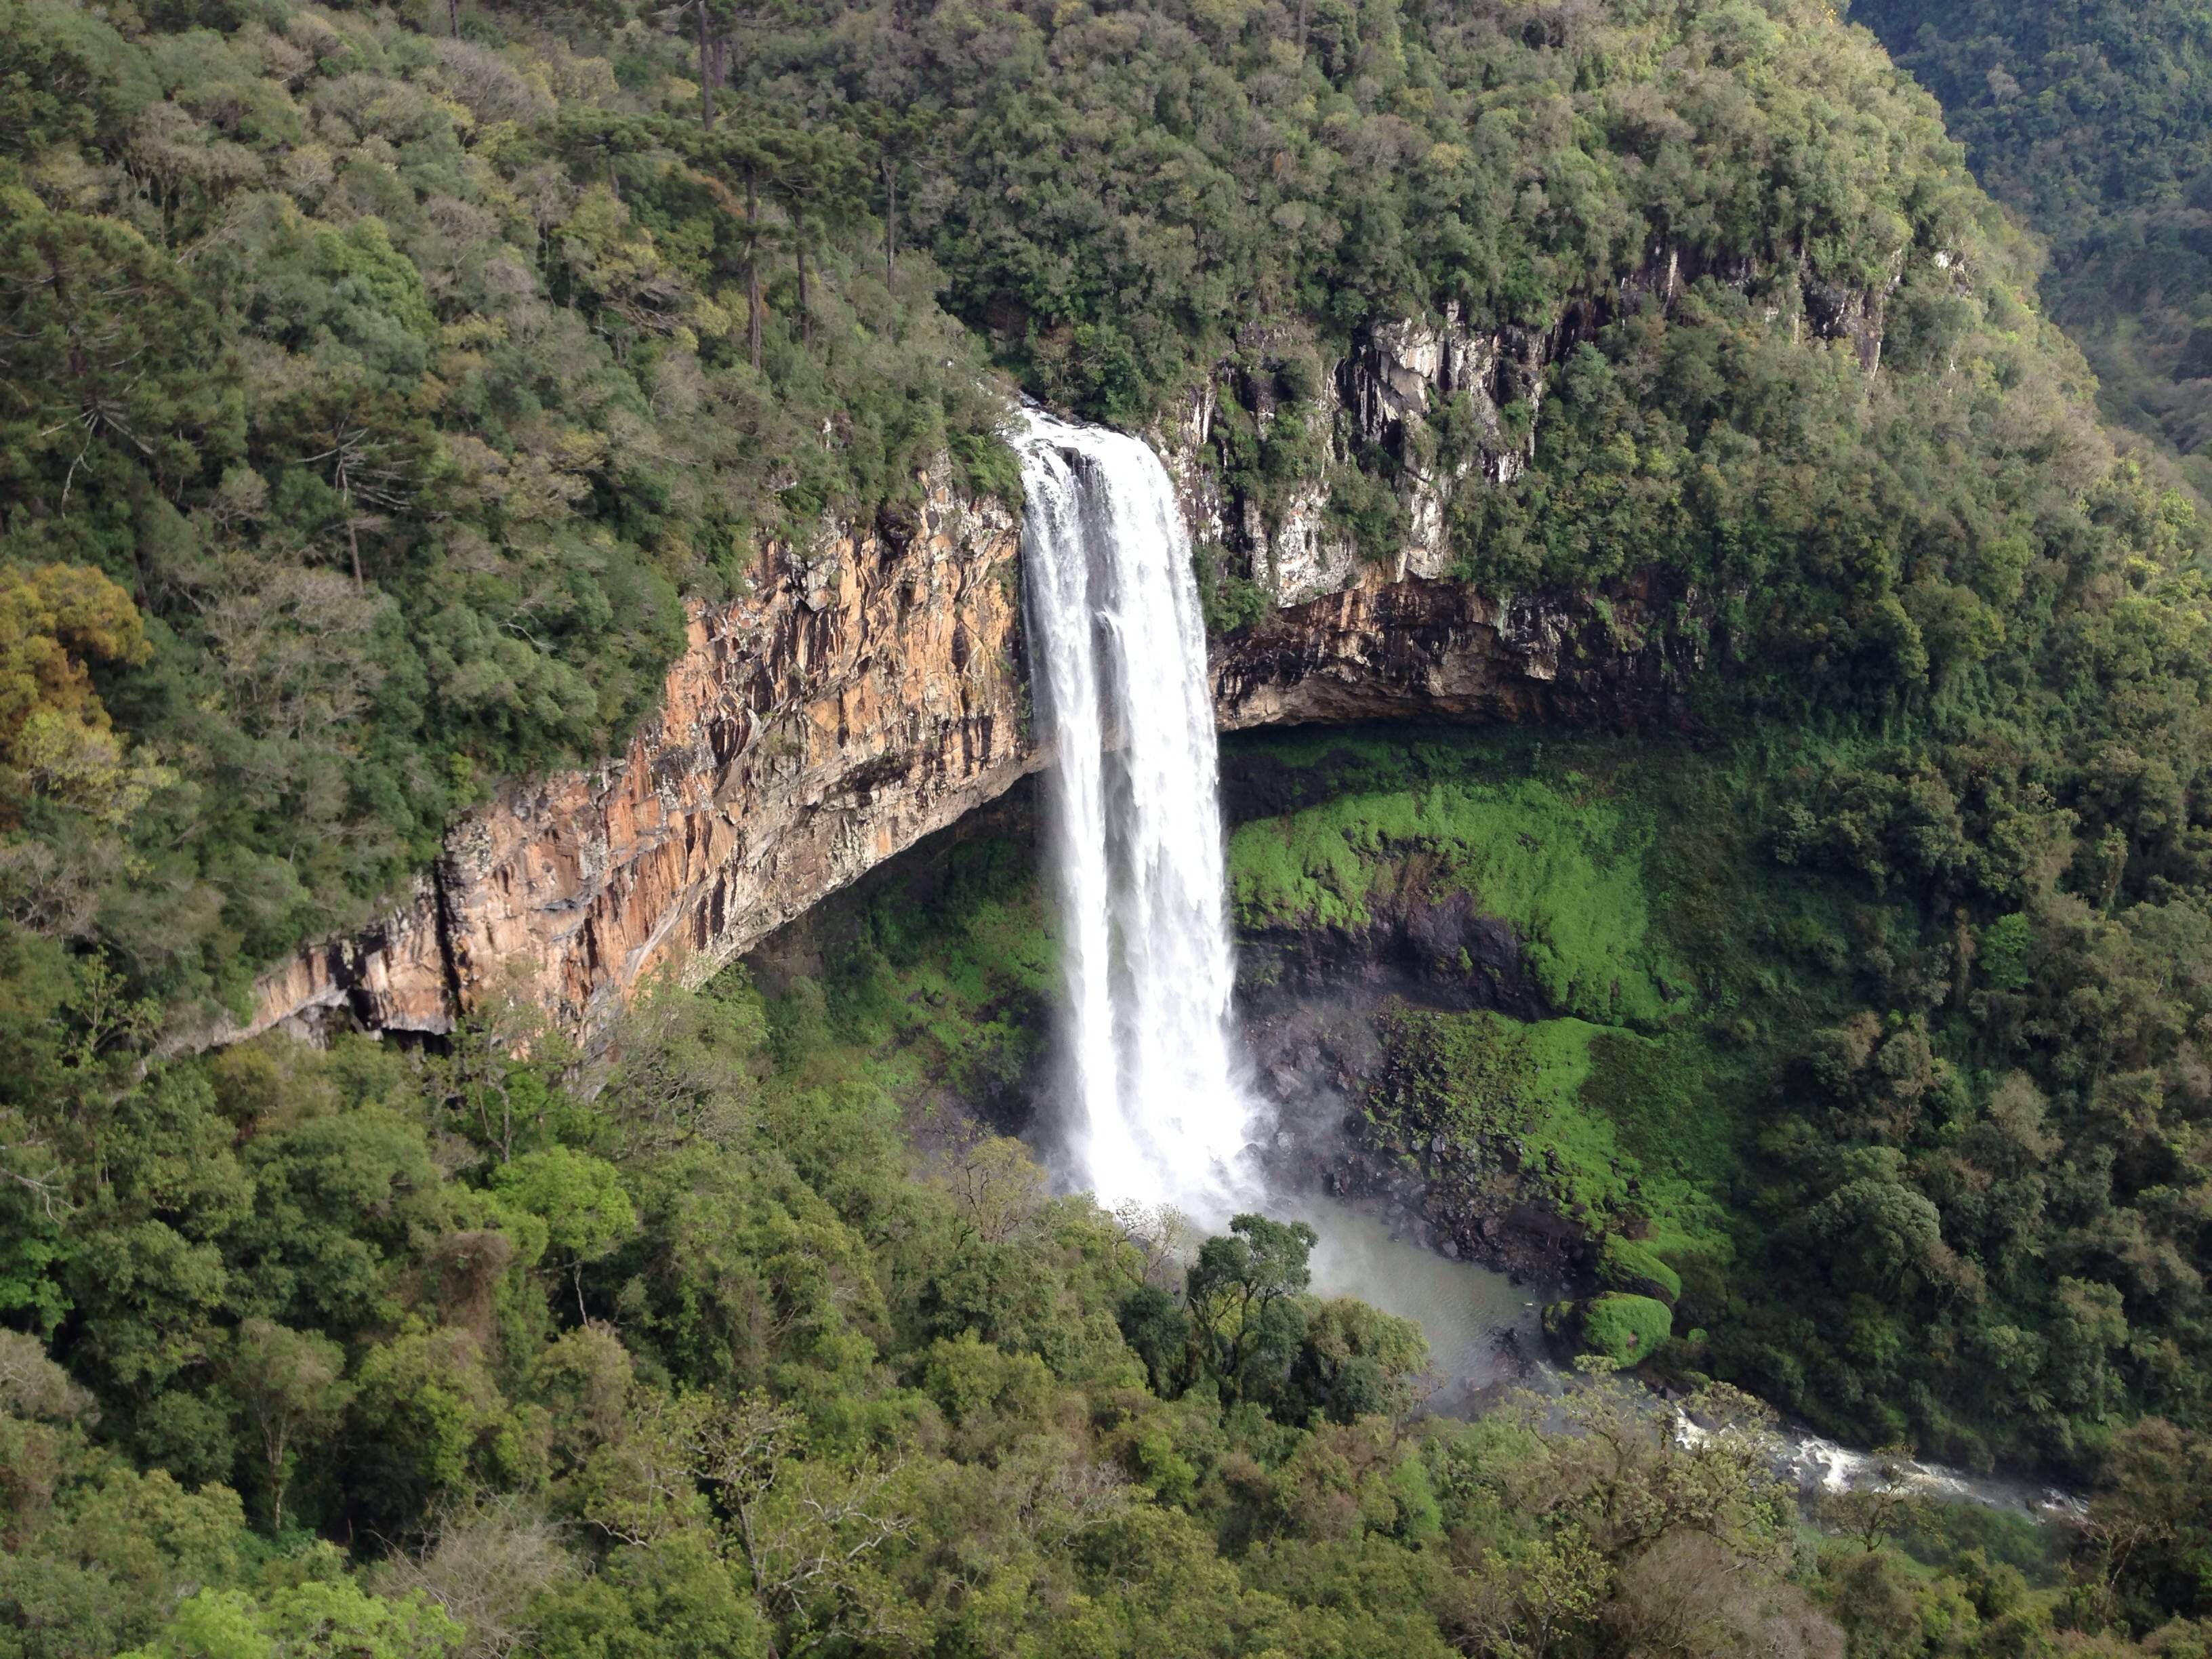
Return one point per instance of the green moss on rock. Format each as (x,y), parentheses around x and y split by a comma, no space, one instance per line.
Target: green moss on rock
(1627,1329)
(1637,1269)
(1560,862)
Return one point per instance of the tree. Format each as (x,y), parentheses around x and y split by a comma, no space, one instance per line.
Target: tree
(1245,1321)
(589,134)
(429,1425)
(65,78)
(103,346)
(813,174)
(995,1185)
(485,1565)
(1879,1231)
(290,1385)
(501,1097)
(578,1197)
(819,178)
(331,1618)
(39,1405)
(343,425)
(1154,1323)
(1881,1507)
(684,1063)
(675,1598)
(1357,1360)
(710,20)
(2151,1527)
(804,1528)
(895,134)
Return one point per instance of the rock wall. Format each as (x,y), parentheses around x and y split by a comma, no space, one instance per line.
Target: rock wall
(1416,648)
(871,690)
(868,692)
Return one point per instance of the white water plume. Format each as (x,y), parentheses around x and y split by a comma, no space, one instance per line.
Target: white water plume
(1117,651)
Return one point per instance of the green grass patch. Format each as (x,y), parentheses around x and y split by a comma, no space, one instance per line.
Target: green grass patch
(1646,859)
(1560,862)
(1625,1265)
(1481,1076)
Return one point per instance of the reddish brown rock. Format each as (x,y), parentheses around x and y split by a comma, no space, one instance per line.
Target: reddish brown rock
(870,692)
(873,691)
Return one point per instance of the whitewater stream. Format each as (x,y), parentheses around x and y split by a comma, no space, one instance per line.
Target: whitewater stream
(1161,1111)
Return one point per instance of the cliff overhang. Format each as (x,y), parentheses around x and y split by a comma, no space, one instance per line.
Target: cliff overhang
(871,688)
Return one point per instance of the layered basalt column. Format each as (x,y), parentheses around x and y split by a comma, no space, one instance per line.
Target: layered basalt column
(869,692)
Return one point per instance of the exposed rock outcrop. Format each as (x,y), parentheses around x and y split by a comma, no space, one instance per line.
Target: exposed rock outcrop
(1385,650)
(871,690)
(868,692)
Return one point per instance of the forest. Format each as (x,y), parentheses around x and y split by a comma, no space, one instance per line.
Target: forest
(379,385)
(2089,122)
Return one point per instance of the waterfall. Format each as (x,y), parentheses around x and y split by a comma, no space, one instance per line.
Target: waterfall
(1117,651)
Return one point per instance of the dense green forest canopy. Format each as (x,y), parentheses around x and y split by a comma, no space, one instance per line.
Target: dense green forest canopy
(373,1353)
(402,382)
(2094,123)
(377,386)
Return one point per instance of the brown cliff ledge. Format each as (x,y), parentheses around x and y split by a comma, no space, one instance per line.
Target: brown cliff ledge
(868,692)
(1417,648)
(870,695)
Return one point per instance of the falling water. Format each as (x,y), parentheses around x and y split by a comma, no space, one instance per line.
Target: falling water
(1118,670)
(1162,1114)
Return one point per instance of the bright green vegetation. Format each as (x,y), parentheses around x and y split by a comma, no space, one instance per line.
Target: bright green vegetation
(1610,1110)
(1481,1076)
(1626,1329)
(1627,1265)
(718,1364)
(1915,1143)
(1564,871)
(1613,846)
(2094,123)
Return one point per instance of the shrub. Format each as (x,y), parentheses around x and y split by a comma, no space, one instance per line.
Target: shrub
(1626,1329)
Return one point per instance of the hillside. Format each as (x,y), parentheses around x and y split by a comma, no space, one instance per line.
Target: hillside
(380,393)
(2090,122)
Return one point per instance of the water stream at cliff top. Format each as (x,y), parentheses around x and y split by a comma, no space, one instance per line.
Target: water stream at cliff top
(1117,646)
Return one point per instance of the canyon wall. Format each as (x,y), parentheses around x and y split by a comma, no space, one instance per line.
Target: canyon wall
(868,691)
(871,690)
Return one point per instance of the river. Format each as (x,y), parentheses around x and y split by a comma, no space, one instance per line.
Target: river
(1485,1338)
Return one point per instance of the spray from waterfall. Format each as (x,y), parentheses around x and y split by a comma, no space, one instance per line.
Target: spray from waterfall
(1118,671)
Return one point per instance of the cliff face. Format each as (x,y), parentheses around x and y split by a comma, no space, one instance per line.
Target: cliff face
(1387,396)
(1355,637)
(1416,648)
(868,692)
(872,690)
